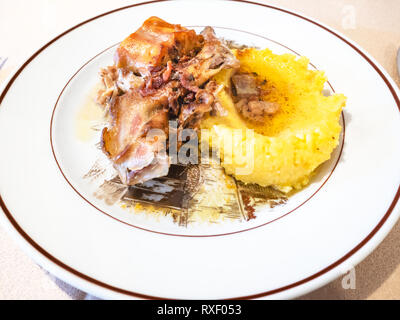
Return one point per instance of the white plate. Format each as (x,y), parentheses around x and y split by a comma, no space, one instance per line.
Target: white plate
(322,231)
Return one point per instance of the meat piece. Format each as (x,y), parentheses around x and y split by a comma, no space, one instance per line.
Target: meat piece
(196,106)
(154,44)
(161,71)
(213,88)
(247,94)
(115,82)
(192,113)
(136,157)
(245,85)
(109,91)
(257,110)
(157,79)
(194,72)
(213,57)
(168,71)
(127,80)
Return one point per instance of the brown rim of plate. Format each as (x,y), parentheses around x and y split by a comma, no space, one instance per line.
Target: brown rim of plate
(253,296)
(191,235)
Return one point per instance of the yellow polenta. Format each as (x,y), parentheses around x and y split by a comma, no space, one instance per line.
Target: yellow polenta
(290,145)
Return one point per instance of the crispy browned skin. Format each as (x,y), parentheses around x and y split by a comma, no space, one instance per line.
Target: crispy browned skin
(129,143)
(162,70)
(154,44)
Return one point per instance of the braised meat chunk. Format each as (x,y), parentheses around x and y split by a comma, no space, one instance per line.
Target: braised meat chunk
(256,110)
(154,44)
(135,155)
(245,85)
(213,57)
(248,99)
(162,72)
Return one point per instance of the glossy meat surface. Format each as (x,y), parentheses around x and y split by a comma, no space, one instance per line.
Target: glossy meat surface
(126,142)
(154,44)
(162,72)
(213,57)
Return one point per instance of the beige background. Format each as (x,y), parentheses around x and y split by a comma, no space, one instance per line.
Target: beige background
(26,25)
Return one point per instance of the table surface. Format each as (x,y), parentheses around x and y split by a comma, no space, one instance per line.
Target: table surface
(374,25)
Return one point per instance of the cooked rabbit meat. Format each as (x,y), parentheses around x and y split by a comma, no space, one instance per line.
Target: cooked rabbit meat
(109,91)
(115,82)
(245,85)
(213,57)
(161,71)
(248,101)
(125,142)
(193,112)
(257,110)
(154,44)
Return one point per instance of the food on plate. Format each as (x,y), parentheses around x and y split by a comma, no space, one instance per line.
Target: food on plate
(165,72)
(296,127)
